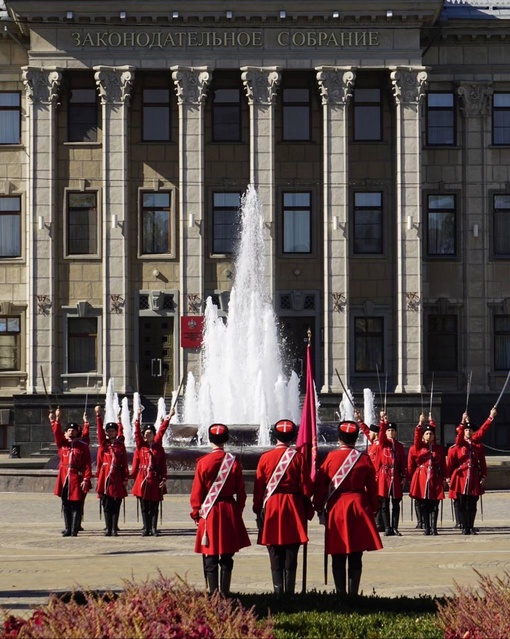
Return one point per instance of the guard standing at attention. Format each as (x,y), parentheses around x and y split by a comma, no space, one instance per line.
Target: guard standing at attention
(217,500)
(112,471)
(281,501)
(346,499)
(149,472)
(467,469)
(74,472)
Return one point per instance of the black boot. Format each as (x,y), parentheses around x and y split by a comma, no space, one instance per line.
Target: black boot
(225,577)
(354,579)
(425,515)
(395,516)
(472,517)
(339,579)
(115,521)
(435,515)
(277,576)
(154,522)
(145,520)
(388,530)
(290,582)
(212,581)
(108,524)
(76,523)
(68,522)
(379,521)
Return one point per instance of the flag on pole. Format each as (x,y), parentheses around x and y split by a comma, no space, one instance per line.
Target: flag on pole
(307,436)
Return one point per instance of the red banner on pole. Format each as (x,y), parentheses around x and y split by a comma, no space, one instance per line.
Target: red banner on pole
(307,435)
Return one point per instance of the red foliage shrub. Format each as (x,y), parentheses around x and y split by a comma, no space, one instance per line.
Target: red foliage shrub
(159,609)
(478,613)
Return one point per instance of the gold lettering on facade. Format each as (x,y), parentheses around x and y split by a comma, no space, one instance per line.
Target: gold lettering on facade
(223,39)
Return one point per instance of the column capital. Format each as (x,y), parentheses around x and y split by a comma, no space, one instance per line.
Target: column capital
(474,98)
(260,84)
(42,85)
(336,84)
(408,84)
(191,83)
(114,83)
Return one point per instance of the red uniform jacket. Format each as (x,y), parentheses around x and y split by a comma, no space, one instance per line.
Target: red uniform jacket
(350,525)
(373,446)
(225,528)
(426,468)
(287,509)
(149,466)
(112,465)
(466,469)
(391,465)
(75,466)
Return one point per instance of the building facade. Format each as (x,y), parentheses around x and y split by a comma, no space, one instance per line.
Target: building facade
(377,137)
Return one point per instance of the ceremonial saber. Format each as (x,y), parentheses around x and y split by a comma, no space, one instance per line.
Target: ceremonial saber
(379,383)
(502,390)
(174,403)
(46,390)
(468,389)
(86,395)
(431,394)
(385,390)
(344,389)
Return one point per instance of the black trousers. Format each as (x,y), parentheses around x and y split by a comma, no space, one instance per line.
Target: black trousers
(283,557)
(211,563)
(111,505)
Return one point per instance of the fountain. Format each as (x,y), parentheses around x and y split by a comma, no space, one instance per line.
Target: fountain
(242,380)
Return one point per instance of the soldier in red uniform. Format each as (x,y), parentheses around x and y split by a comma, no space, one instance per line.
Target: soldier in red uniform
(281,501)
(149,472)
(467,469)
(74,472)
(427,473)
(391,474)
(346,499)
(112,471)
(372,434)
(217,500)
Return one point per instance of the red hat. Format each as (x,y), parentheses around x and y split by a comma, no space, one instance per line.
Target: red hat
(348,427)
(218,433)
(285,430)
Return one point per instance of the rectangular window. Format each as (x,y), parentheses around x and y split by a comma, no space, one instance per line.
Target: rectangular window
(442,343)
(501,225)
(82,223)
(502,342)
(440,119)
(369,344)
(368,223)
(225,221)
(441,225)
(156,111)
(156,223)
(226,113)
(10,331)
(82,115)
(10,117)
(82,344)
(296,114)
(367,115)
(297,223)
(501,118)
(10,226)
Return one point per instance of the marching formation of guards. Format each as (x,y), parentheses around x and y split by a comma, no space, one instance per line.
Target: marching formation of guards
(355,494)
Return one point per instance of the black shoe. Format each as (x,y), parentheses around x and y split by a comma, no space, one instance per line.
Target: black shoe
(426,531)
(397,533)
(389,532)
(465,531)
(473,531)
(66,533)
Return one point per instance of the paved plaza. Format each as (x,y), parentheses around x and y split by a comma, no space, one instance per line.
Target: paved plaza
(36,560)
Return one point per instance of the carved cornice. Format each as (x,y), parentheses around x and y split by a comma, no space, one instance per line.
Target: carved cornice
(408,84)
(191,84)
(114,83)
(42,85)
(336,84)
(260,84)
(474,98)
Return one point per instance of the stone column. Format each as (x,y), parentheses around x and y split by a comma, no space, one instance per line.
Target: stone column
(408,88)
(42,87)
(191,87)
(114,85)
(475,103)
(260,85)
(336,86)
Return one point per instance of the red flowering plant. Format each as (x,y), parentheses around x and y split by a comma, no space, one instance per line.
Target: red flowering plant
(155,609)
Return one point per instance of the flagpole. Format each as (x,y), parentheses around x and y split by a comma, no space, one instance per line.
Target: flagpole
(305,545)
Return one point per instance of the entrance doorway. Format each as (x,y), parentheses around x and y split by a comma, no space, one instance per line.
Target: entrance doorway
(295,340)
(156,355)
